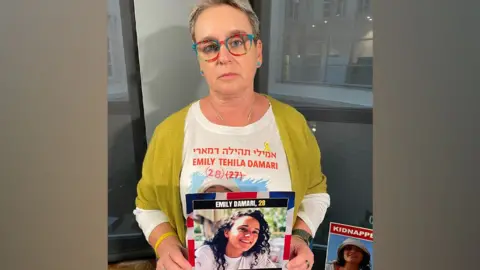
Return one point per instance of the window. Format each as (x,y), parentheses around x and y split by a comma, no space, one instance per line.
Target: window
(327,7)
(126,135)
(340,8)
(345,138)
(117,77)
(364,9)
(293,10)
(320,50)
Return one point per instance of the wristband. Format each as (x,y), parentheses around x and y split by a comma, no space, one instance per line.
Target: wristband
(160,240)
(304,235)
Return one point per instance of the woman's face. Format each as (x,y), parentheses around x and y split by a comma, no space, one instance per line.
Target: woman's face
(218,23)
(352,254)
(244,233)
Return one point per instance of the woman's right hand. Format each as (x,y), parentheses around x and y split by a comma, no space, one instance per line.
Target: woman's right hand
(172,256)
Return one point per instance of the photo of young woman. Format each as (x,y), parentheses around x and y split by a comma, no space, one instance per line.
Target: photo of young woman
(241,242)
(351,254)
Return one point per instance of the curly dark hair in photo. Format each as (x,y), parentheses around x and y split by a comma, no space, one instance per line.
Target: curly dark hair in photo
(364,264)
(218,244)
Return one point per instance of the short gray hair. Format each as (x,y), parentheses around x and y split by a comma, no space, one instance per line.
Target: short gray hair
(242,5)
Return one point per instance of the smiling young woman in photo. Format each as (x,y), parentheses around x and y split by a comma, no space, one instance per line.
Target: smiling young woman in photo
(240,243)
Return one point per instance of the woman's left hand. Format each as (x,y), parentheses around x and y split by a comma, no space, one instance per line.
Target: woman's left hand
(301,256)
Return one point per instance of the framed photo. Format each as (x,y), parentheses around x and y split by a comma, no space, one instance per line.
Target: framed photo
(239,230)
(349,245)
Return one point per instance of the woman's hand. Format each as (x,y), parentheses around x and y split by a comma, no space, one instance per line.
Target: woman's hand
(172,256)
(301,256)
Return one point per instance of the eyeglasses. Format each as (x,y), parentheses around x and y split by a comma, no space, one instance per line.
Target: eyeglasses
(237,45)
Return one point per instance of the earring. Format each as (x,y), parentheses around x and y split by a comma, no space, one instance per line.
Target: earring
(201,72)
(259,64)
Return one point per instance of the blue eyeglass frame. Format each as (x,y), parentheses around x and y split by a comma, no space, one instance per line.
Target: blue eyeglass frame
(251,38)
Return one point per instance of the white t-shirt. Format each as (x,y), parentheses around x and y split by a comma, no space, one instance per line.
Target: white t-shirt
(249,158)
(205,260)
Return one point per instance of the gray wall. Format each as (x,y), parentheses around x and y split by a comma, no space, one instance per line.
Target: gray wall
(426,134)
(53,135)
(170,73)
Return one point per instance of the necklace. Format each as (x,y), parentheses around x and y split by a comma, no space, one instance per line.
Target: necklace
(219,116)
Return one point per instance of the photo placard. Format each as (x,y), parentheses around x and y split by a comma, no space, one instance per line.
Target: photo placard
(349,245)
(239,230)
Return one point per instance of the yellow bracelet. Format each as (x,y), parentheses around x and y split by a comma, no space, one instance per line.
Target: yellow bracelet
(160,240)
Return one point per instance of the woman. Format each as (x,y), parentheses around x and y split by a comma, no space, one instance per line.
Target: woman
(351,255)
(233,133)
(240,243)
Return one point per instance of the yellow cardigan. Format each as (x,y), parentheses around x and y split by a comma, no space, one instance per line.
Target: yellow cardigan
(159,186)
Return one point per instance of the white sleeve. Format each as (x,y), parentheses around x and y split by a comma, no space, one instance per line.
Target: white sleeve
(149,219)
(313,209)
